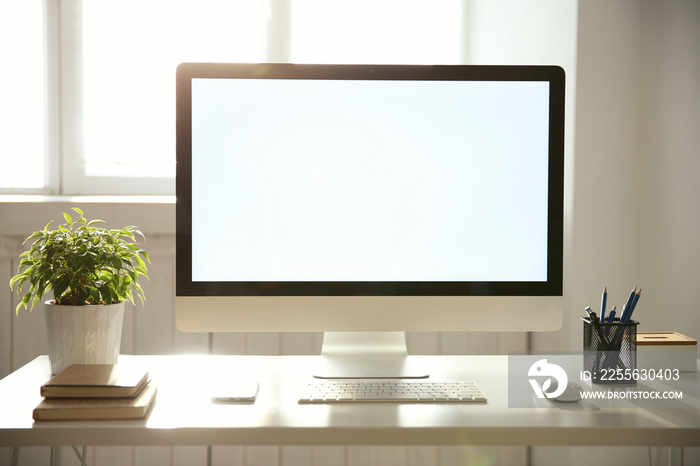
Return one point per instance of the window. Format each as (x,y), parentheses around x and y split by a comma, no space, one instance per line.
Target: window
(21,95)
(130,51)
(88,87)
(116,62)
(371,31)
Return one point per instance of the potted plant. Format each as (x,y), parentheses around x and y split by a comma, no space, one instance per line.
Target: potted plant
(92,271)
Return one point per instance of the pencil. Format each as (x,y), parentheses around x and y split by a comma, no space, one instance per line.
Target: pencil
(603,301)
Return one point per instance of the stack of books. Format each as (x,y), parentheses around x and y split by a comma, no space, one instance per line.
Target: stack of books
(97,391)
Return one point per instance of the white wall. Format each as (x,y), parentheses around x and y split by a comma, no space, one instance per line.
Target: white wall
(635,201)
(670,164)
(636,196)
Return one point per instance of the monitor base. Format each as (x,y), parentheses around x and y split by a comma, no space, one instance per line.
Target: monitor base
(366,355)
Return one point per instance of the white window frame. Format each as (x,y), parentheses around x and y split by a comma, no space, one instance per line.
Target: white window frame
(64,153)
(71,152)
(52,130)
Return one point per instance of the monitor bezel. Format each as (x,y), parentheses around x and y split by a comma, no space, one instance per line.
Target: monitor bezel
(186,72)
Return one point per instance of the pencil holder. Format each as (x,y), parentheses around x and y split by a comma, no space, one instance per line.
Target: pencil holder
(610,351)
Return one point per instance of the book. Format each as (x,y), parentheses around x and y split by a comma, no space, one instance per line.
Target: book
(124,380)
(75,409)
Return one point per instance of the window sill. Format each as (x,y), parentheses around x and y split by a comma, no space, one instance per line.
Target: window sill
(23,214)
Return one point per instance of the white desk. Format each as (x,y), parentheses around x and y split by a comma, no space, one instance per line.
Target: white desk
(184,415)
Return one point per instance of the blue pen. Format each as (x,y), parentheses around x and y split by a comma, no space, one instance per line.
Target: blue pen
(603,300)
(611,317)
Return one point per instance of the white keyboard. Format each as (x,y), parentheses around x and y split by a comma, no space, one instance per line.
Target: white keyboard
(390,391)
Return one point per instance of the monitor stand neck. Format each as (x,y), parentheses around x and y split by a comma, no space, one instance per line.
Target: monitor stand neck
(366,355)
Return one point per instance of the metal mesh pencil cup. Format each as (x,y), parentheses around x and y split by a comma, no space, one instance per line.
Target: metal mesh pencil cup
(610,351)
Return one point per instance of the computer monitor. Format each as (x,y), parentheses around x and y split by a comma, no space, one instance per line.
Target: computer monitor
(369,198)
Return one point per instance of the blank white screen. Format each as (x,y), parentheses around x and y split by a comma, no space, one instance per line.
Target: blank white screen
(310,180)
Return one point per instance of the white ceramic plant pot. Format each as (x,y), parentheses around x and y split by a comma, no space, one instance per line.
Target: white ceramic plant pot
(83,334)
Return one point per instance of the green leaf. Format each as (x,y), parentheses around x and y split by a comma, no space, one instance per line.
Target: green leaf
(36,234)
(24,303)
(116,262)
(17,279)
(60,286)
(94,294)
(68,218)
(140,261)
(140,291)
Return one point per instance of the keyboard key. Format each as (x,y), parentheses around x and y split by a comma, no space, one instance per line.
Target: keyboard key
(392,391)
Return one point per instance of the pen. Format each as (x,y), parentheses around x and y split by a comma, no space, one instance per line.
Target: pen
(611,317)
(598,329)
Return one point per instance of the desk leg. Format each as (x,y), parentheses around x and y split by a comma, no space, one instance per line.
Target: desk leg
(81,456)
(675,456)
(15,456)
(56,456)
